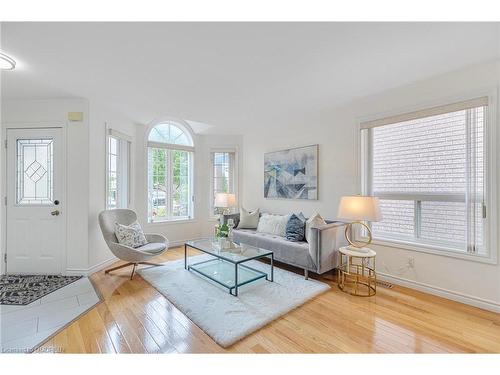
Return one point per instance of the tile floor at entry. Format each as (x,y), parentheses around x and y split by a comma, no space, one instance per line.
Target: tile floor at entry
(22,328)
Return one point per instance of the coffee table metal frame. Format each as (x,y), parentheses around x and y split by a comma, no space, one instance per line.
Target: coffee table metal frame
(233,290)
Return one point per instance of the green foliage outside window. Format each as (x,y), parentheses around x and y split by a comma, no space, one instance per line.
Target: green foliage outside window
(179,190)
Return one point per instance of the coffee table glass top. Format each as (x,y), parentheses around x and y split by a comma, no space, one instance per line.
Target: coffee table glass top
(234,254)
(222,272)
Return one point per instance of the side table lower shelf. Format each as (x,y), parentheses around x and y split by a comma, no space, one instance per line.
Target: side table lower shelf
(356,274)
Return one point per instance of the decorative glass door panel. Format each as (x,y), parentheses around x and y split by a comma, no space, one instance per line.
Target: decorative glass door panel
(35,173)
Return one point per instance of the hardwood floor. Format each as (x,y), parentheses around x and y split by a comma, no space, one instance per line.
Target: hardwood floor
(135,318)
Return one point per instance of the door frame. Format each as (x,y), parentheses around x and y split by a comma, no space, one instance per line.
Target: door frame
(3,187)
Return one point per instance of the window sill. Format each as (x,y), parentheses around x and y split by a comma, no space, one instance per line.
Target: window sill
(173,221)
(435,250)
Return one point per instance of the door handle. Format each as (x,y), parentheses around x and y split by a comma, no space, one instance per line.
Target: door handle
(55,213)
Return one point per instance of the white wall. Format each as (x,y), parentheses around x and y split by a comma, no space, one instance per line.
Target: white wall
(77,136)
(335,130)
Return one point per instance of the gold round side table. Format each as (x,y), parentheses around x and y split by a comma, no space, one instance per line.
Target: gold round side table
(356,274)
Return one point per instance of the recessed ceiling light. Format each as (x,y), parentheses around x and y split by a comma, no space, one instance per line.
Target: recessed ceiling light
(7,62)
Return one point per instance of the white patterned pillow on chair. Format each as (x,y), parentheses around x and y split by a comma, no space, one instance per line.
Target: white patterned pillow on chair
(130,235)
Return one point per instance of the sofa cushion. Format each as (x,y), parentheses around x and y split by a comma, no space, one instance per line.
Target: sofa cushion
(295,229)
(294,253)
(248,220)
(152,247)
(273,224)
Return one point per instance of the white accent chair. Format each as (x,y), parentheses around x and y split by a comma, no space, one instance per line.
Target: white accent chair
(157,244)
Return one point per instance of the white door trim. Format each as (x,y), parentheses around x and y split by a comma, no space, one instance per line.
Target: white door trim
(3,187)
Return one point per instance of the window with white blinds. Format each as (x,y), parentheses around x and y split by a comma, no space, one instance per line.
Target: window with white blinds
(428,169)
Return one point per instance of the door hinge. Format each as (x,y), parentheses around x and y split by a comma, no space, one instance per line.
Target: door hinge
(5,143)
(5,258)
(484,211)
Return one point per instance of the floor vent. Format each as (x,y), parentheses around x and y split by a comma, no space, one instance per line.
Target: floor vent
(384,284)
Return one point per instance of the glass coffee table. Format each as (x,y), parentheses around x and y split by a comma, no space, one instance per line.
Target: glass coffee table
(227,267)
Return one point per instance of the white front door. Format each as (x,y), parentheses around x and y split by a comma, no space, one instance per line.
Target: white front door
(35,201)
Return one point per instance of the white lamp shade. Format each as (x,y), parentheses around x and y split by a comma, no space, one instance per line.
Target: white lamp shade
(359,208)
(225,200)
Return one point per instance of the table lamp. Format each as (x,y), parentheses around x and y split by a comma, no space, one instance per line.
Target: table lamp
(358,209)
(224,201)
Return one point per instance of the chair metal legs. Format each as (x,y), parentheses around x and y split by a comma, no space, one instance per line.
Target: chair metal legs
(118,267)
(134,266)
(133,271)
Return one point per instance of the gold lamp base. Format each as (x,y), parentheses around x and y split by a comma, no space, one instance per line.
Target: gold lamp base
(357,245)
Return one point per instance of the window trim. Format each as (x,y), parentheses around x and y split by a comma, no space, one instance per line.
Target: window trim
(121,164)
(491,190)
(184,126)
(213,150)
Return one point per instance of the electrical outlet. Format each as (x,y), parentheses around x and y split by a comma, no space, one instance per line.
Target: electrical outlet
(411,262)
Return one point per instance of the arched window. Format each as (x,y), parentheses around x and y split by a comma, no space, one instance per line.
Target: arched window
(171,134)
(170,172)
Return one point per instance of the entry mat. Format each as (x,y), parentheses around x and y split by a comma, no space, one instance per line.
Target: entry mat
(25,289)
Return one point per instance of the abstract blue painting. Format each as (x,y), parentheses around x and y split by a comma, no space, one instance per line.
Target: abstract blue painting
(291,174)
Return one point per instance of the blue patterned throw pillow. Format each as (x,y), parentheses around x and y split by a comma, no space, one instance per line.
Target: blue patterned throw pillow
(295,229)
(303,218)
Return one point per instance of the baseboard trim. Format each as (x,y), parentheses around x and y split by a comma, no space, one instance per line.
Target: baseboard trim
(91,270)
(98,267)
(441,292)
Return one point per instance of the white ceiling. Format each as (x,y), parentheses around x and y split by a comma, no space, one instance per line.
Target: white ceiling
(233,75)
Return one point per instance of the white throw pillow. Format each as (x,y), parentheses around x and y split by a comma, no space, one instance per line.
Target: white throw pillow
(273,224)
(130,235)
(248,220)
(314,221)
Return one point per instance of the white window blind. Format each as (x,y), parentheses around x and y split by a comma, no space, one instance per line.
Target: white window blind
(428,169)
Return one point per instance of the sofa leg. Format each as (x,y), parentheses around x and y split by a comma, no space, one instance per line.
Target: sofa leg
(306,274)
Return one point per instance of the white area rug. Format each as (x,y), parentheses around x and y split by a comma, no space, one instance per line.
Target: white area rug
(222,316)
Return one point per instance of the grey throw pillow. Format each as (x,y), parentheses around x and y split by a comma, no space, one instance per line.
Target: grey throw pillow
(130,235)
(295,229)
